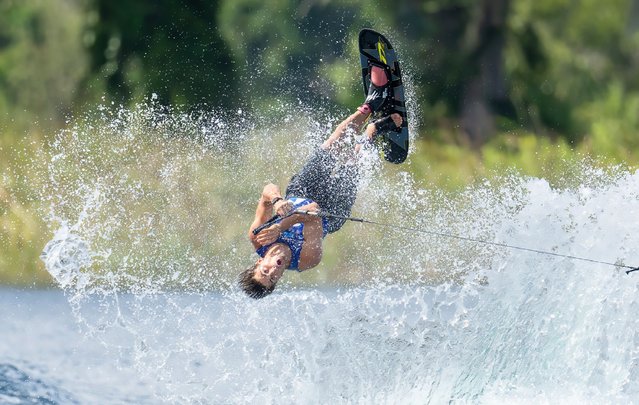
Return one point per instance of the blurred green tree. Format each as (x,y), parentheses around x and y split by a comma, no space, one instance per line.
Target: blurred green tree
(475,68)
(562,57)
(497,65)
(453,49)
(42,60)
(283,47)
(169,47)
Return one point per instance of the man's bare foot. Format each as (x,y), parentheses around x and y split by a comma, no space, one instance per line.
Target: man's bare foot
(397,119)
(385,124)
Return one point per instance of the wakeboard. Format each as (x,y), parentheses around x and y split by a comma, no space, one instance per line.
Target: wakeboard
(375,49)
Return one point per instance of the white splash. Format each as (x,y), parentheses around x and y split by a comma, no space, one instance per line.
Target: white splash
(159,219)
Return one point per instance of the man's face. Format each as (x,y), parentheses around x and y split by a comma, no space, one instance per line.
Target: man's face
(268,271)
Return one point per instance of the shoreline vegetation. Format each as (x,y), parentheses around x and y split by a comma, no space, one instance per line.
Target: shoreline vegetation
(538,89)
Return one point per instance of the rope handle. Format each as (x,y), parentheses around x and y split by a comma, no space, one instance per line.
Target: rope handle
(276,218)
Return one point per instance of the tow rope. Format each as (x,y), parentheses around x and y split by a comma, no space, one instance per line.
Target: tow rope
(442,234)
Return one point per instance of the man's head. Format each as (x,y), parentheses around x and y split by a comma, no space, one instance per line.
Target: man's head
(260,279)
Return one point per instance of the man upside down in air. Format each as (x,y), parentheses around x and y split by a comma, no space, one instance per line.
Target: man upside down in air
(324,184)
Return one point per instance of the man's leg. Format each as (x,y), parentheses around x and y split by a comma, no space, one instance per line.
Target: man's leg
(314,178)
(341,195)
(352,124)
(385,124)
(377,98)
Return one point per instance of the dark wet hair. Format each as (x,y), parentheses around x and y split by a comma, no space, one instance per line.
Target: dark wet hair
(251,286)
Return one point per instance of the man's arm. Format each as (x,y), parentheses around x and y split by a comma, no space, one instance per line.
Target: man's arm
(264,210)
(300,218)
(311,253)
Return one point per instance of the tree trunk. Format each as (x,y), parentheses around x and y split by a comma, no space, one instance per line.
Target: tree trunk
(486,91)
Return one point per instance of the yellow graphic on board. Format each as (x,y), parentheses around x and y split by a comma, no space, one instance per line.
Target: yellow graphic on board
(381,51)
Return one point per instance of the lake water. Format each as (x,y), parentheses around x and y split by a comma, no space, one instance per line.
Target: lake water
(561,339)
(46,359)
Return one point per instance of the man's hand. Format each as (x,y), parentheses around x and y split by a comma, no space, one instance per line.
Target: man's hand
(283,207)
(269,235)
